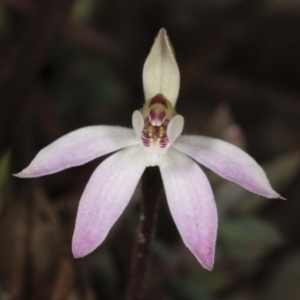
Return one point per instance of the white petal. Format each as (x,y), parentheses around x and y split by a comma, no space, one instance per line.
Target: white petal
(161,73)
(192,205)
(79,147)
(227,161)
(137,123)
(105,197)
(175,128)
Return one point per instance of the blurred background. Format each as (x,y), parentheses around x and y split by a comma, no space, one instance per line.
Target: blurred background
(65,64)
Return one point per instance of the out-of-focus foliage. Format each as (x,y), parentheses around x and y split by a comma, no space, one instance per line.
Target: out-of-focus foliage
(85,82)
(4,174)
(2,18)
(246,238)
(284,280)
(83,10)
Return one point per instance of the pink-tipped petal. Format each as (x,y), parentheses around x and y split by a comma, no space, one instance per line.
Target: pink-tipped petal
(192,205)
(105,197)
(79,147)
(228,161)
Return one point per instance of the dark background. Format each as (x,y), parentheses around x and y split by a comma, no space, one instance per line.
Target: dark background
(66,64)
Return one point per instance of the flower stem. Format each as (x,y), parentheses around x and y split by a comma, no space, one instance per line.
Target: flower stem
(151,186)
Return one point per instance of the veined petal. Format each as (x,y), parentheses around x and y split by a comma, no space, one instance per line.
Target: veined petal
(105,197)
(79,147)
(228,161)
(192,205)
(161,73)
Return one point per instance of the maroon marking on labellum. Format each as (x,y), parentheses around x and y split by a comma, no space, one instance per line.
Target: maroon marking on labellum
(155,135)
(157,116)
(159,98)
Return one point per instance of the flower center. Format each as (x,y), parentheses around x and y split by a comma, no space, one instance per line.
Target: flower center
(157,113)
(155,135)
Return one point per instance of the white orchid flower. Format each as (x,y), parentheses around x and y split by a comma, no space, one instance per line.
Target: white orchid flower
(155,140)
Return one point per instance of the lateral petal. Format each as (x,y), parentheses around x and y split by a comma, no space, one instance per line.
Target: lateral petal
(161,73)
(228,161)
(79,147)
(175,128)
(137,123)
(105,197)
(192,205)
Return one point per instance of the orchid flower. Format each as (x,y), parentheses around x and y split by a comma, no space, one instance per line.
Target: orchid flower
(155,140)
